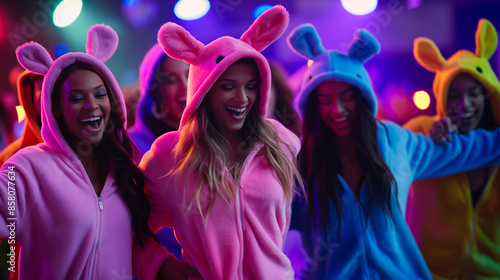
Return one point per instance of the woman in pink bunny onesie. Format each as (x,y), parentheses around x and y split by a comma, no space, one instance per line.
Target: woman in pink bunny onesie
(225,180)
(76,201)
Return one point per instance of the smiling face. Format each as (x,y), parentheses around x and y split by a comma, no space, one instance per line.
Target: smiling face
(337,106)
(232,96)
(171,101)
(84,107)
(466,101)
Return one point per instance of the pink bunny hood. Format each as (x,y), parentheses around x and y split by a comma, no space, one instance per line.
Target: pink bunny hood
(102,42)
(210,61)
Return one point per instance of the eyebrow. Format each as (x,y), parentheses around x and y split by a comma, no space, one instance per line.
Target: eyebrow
(349,89)
(234,81)
(469,88)
(81,90)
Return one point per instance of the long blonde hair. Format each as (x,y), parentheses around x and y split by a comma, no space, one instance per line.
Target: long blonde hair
(200,150)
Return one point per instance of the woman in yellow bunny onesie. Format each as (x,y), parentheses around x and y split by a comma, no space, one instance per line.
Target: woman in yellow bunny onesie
(456,219)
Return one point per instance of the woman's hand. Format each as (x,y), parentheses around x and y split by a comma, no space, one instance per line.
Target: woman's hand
(176,270)
(441,130)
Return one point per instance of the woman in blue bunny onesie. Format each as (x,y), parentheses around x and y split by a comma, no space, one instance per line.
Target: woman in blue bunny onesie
(357,170)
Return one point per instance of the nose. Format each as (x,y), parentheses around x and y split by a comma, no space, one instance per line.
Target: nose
(241,95)
(338,106)
(91,104)
(466,101)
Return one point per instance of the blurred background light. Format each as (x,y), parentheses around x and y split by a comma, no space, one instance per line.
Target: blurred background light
(359,7)
(60,49)
(140,13)
(191,9)
(67,12)
(21,114)
(260,9)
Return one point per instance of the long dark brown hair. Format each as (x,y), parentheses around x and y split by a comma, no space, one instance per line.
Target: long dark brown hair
(118,150)
(283,110)
(320,164)
(487,119)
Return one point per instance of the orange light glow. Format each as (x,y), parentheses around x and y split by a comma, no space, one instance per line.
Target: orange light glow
(421,99)
(21,115)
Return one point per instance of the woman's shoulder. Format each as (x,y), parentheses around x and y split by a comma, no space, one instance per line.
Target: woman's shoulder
(38,154)
(390,129)
(422,123)
(161,149)
(166,142)
(34,160)
(284,133)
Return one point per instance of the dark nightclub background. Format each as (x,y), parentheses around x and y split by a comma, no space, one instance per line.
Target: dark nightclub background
(396,75)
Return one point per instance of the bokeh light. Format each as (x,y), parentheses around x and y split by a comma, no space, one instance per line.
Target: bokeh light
(21,114)
(67,12)
(359,7)
(191,9)
(140,13)
(260,9)
(60,49)
(421,99)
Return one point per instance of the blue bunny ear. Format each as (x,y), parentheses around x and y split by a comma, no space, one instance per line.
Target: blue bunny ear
(364,46)
(304,40)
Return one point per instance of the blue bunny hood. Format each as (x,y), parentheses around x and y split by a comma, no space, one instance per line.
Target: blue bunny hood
(332,65)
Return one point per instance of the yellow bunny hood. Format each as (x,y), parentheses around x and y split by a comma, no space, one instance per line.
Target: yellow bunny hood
(463,61)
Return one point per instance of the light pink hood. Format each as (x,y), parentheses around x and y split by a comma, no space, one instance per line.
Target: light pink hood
(65,229)
(102,42)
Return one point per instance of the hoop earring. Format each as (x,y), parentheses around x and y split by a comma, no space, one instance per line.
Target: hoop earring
(156,114)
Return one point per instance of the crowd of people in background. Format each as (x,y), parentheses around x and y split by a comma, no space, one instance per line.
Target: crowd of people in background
(212,167)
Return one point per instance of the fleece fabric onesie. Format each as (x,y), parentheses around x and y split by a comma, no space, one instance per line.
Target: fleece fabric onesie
(377,247)
(242,240)
(31,132)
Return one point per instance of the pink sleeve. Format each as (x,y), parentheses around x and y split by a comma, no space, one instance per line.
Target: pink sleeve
(19,189)
(155,165)
(287,136)
(146,260)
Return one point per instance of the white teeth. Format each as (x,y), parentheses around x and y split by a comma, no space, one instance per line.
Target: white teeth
(468,115)
(91,119)
(239,110)
(342,119)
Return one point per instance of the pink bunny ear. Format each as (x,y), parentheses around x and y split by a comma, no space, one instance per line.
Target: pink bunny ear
(102,42)
(179,43)
(34,57)
(268,27)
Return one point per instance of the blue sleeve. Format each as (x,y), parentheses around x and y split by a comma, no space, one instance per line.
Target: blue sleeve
(477,149)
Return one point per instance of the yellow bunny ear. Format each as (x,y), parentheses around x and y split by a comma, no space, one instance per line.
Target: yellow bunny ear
(428,55)
(486,39)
